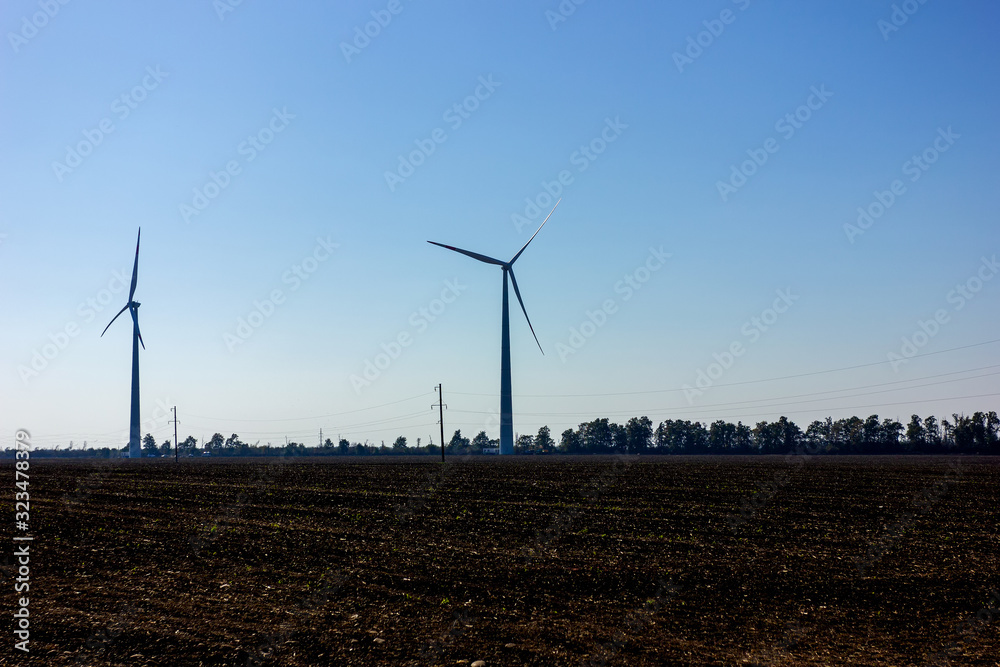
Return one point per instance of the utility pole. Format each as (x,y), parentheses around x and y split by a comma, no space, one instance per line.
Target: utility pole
(176,458)
(441,406)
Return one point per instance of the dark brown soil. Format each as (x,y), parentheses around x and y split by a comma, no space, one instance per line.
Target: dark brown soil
(523,561)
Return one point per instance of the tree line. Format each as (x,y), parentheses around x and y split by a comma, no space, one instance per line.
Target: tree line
(975,434)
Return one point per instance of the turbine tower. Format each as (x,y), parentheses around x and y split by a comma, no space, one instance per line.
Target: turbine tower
(134,444)
(506,401)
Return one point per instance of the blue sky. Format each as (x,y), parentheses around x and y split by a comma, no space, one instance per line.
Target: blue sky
(641,122)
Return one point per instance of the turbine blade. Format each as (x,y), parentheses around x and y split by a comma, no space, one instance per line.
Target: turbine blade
(536,231)
(135,267)
(135,318)
(473,255)
(114,318)
(518,294)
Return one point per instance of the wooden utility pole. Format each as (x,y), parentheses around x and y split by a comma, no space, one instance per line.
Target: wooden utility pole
(441,406)
(176,457)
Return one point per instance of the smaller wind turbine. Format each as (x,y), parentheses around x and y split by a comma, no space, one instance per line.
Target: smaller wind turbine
(134,444)
(506,399)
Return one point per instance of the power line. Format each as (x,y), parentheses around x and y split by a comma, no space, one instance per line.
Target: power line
(749,403)
(335,414)
(737,384)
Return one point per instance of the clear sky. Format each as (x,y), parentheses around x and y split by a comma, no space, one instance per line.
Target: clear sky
(275,149)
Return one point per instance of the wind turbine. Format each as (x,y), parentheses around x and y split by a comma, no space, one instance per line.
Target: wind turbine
(134,445)
(506,402)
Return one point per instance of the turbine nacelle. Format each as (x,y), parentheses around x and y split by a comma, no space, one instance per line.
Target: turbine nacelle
(508,268)
(132,306)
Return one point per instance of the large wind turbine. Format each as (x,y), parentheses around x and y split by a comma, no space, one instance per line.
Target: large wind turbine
(134,444)
(506,402)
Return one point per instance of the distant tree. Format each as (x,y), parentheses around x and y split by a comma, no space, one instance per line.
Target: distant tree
(817,436)
(891,431)
(167,447)
(543,441)
(399,446)
(570,442)
(480,442)
(852,431)
(148,445)
(458,444)
(188,445)
(597,436)
(721,437)
(524,444)
(233,442)
(344,446)
(789,433)
(743,438)
(660,437)
(765,438)
(215,442)
(916,435)
(328,444)
(932,433)
(992,432)
(638,434)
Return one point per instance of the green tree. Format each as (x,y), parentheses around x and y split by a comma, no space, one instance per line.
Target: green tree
(480,442)
(399,446)
(570,442)
(932,433)
(524,444)
(149,445)
(597,436)
(188,445)
(215,442)
(638,434)
(166,448)
(458,443)
(543,441)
